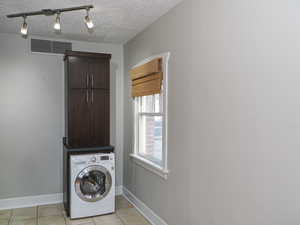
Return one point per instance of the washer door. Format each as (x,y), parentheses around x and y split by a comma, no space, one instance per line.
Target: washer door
(93,183)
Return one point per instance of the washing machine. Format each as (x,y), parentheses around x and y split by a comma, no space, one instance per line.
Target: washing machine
(92,180)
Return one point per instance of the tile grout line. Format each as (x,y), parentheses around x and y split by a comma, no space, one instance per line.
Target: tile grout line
(94,222)
(123,222)
(37,215)
(65,219)
(10,217)
(64,213)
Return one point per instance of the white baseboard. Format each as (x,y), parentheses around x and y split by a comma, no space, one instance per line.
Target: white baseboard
(153,218)
(29,201)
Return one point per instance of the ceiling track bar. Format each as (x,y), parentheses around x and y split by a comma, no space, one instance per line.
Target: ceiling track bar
(50,12)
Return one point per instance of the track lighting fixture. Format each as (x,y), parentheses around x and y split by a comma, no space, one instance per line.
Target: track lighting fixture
(24,27)
(57,26)
(88,22)
(50,12)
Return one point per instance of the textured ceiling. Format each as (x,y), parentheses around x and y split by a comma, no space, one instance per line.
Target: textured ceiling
(116,21)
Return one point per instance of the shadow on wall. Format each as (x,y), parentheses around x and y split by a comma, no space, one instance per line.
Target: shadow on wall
(113,118)
(113,100)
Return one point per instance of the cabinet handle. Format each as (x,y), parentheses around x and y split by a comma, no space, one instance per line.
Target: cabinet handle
(87,81)
(92,81)
(92,96)
(87,95)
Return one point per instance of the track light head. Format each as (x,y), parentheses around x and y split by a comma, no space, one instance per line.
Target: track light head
(88,22)
(24,28)
(57,25)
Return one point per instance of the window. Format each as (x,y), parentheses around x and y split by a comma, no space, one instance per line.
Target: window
(149,125)
(150,131)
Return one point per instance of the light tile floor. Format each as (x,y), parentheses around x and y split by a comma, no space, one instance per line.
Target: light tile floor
(125,214)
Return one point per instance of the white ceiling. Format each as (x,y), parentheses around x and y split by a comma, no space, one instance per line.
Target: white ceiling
(116,21)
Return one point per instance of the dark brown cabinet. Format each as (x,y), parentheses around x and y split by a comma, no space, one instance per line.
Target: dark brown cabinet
(87,99)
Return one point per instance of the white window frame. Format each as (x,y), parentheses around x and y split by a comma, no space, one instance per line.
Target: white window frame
(163,170)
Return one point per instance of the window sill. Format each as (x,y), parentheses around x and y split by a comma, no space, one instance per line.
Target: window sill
(147,164)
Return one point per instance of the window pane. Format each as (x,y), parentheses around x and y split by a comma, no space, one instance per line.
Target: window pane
(150,103)
(147,104)
(150,138)
(157,100)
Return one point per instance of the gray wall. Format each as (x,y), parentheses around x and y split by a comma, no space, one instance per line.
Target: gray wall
(32,116)
(234,124)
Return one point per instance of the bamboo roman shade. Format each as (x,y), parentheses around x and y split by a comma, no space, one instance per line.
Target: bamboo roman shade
(147,78)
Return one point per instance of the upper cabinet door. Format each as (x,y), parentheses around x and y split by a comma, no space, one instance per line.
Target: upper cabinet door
(99,73)
(78,72)
(79,118)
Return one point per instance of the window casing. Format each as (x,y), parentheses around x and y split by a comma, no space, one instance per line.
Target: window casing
(150,128)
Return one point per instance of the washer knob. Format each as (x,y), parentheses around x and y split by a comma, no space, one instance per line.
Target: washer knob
(93,159)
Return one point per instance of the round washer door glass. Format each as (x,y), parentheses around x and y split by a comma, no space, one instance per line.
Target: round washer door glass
(93,183)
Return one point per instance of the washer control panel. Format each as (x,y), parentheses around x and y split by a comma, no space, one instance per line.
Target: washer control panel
(104,157)
(100,158)
(93,158)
